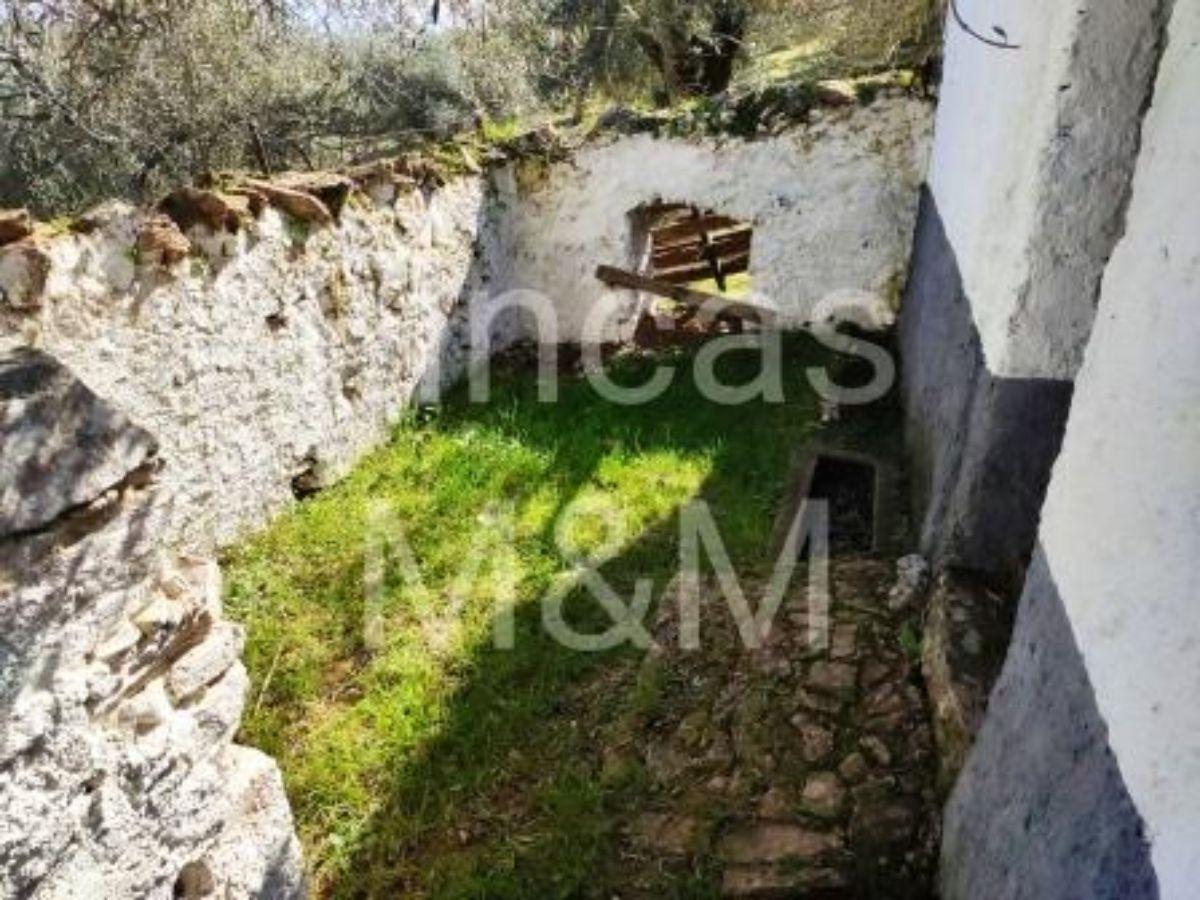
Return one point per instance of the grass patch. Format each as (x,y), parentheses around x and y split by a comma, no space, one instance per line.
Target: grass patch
(437,765)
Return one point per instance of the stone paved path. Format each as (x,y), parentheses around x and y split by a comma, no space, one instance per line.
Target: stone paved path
(782,772)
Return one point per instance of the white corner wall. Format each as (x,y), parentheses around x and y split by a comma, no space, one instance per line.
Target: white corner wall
(1031,162)
(1121,526)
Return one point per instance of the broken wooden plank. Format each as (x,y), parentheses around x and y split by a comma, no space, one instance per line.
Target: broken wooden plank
(704,268)
(724,244)
(670,234)
(698,301)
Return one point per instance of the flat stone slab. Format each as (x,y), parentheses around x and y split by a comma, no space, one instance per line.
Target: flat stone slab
(63,445)
(778,882)
(772,843)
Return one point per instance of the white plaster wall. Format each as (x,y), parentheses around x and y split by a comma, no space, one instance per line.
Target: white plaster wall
(368,309)
(833,204)
(1121,525)
(1031,159)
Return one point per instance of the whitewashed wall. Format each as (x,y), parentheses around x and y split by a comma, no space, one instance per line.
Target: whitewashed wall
(1121,526)
(1084,779)
(1031,165)
(833,205)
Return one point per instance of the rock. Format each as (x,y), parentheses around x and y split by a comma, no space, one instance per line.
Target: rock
(331,188)
(367,175)
(835,92)
(823,795)
(775,804)
(195,882)
(24,268)
(667,834)
(123,637)
(202,665)
(892,822)
(161,243)
(779,882)
(816,742)
(311,478)
(15,225)
(64,447)
(832,678)
(768,842)
(807,700)
(256,853)
(146,710)
(885,700)
(160,615)
(103,216)
(296,204)
(959,681)
(912,580)
(876,749)
(665,763)
(875,672)
(853,768)
(864,310)
(844,642)
(189,207)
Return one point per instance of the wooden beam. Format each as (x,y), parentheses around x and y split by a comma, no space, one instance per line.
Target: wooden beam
(696,301)
(671,234)
(703,268)
(683,254)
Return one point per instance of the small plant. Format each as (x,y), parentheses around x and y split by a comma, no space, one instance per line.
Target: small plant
(911,642)
(200,266)
(298,232)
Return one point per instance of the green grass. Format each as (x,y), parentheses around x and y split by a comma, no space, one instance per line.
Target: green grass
(438,765)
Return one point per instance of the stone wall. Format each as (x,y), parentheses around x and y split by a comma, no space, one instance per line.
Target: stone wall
(267,352)
(160,394)
(832,203)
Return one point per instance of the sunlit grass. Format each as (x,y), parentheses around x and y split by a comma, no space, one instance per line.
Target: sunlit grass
(437,765)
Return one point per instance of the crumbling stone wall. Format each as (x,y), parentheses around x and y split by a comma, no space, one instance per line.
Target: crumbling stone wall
(122,687)
(168,380)
(277,349)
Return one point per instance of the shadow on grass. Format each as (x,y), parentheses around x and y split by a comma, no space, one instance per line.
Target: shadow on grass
(505,790)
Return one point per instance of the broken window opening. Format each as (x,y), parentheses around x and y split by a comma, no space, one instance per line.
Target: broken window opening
(698,249)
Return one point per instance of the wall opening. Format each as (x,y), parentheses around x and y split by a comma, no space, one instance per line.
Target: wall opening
(697,248)
(848,486)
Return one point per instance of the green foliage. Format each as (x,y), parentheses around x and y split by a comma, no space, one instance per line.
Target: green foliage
(132,97)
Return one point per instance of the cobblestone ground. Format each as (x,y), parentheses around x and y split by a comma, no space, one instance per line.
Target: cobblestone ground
(784,772)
